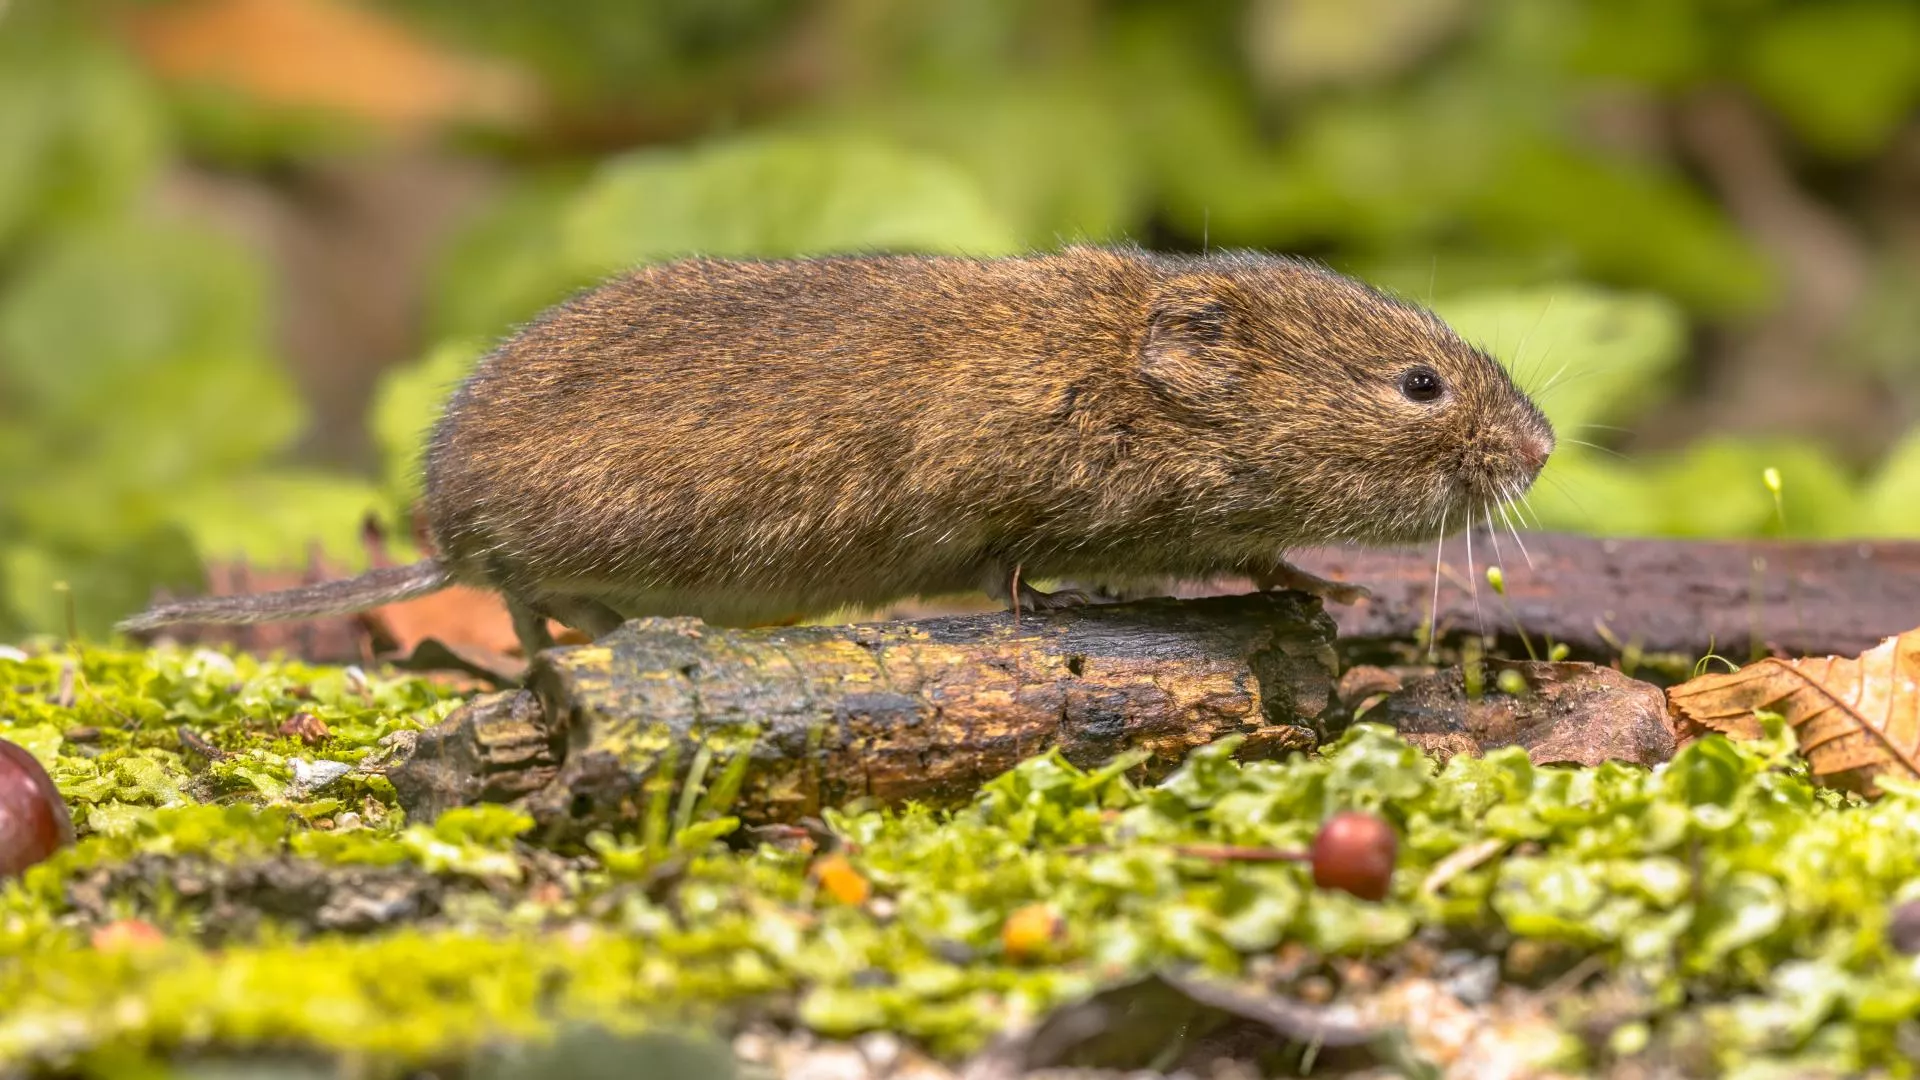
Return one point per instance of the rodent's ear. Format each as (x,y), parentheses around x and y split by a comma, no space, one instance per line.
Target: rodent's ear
(1181,353)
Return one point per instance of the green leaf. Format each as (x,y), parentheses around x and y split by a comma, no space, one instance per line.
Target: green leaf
(176,382)
(1050,153)
(1600,214)
(1587,355)
(780,195)
(1654,42)
(1715,489)
(1845,74)
(140,370)
(486,826)
(1740,909)
(102,583)
(1295,44)
(1890,506)
(407,403)
(1581,491)
(508,265)
(277,518)
(79,133)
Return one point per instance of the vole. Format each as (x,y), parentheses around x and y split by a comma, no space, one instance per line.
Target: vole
(744,441)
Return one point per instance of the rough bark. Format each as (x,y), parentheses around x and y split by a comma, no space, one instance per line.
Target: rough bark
(1600,596)
(924,710)
(1565,713)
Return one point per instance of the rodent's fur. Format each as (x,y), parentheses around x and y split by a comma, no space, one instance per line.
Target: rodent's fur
(746,441)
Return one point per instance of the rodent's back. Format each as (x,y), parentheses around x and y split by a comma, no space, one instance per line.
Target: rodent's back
(708,424)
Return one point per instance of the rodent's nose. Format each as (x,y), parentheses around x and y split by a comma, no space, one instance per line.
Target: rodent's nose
(1534,449)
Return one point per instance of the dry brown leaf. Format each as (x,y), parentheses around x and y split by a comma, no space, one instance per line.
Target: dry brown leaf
(1857,717)
(335,55)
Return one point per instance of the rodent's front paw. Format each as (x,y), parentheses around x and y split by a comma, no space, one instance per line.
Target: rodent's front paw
(1289,576)
(1342,592)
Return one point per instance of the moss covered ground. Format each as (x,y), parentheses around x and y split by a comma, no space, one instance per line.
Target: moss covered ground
(1718,915)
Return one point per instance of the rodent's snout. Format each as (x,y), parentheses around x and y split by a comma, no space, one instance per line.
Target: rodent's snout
(1534,448)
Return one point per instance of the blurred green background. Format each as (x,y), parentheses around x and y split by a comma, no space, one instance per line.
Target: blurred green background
(247,245)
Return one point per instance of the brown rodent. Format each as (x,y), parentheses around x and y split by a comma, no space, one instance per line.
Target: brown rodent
(747,441)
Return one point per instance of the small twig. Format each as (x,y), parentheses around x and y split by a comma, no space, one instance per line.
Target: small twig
(63,693)
(1237,853)
(1013,595)
(197,743)
(1210,852)
(1462,860)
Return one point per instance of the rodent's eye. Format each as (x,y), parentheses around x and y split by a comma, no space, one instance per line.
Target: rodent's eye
(1422,385)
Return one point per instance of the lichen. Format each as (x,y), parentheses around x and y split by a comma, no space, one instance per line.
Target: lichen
(1727,910)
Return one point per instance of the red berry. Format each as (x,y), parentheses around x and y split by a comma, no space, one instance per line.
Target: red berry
(1354,853)
(127,935)
(33,818)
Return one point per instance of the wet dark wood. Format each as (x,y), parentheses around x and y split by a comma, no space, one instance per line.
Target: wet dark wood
(1601,596)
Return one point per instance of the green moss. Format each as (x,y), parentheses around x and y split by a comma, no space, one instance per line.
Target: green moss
(1737,910)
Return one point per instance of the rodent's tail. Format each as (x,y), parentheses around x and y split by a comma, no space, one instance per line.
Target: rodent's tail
(370,590)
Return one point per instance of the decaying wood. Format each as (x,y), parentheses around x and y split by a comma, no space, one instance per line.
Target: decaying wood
(497,748)
(924,711)
(1600,596)
(1566,713)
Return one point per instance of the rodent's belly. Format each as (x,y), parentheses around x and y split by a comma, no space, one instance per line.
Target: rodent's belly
(731,586)
(721,602)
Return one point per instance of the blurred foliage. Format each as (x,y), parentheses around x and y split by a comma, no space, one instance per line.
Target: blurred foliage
(1510,159)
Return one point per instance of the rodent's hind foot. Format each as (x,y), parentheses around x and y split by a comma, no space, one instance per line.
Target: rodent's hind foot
(590,618)
(1008,588)
(1285,575)
(1059,600)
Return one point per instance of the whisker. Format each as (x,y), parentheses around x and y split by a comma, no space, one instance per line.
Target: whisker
(1433,613)
(1559,383)
(1527,500)
(1473,580)
(1515,533)
(1499,557)
(1561,487)
(1594,446)
(1519,498)
(1540,365)
(1521,349)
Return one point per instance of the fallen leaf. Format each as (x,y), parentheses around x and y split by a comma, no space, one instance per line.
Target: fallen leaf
(306,727)
(840,880)
(1857,718)
(1030,932)
(332,55)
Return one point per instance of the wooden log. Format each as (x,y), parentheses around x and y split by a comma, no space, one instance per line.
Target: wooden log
(1601,596)
(924,711)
